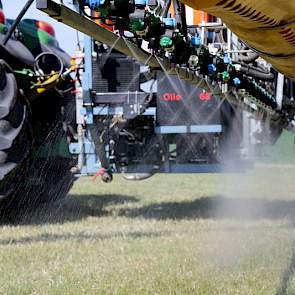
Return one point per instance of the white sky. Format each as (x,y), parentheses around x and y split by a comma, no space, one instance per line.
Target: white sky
(65,35)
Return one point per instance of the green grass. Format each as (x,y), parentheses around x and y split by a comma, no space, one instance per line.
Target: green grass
(172,234)
(283,152)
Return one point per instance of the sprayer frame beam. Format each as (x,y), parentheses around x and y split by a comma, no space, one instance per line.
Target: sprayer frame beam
(69,17)
(75,20)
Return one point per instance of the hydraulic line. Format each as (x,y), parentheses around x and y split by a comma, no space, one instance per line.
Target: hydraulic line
(140,176)
(251,57)
(183,19)
(17,21)
(137,177)
(256,73)
(180,16)
(99,146)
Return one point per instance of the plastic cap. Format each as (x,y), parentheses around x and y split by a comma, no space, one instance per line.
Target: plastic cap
(237,81)
(138,25)
(140,2)
(227,59)
(225,75)
(211,68)
(169,22)
(166,42)
(94,3)
(196,40)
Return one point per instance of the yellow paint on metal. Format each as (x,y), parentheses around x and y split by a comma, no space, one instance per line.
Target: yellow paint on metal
(48,84)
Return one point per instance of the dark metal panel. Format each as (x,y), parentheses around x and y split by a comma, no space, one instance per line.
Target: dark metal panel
(115,74)
(181,103)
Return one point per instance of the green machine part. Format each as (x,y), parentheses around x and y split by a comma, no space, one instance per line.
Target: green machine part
(33,36)
(3,27)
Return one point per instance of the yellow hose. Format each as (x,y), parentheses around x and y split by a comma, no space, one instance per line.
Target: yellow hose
(52,81)
(48,84)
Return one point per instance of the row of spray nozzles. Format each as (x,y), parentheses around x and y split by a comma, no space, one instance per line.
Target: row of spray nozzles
(164,36)
(142,18)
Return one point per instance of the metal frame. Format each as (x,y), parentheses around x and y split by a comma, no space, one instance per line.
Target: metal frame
(91,30)
(193,129)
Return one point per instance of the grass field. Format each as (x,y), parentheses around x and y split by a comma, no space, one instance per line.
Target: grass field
(175,234)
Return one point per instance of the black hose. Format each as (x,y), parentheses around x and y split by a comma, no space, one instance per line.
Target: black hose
(248,58)
(257,74)
(97,137)
(180,16)
(140,176)
(258,69)
(183,19)
(17,21)
(137,177)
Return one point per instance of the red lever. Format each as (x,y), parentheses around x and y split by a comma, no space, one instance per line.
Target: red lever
(98,174)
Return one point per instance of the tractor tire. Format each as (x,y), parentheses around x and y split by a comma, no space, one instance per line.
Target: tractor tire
(27,180)
(49,173)
(51,180)
(15,139)
(43,182)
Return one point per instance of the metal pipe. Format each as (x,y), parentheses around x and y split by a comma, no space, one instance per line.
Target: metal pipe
(280,90)
(17,21)
(203,28)
(240,51)
(229,41)
(208,25)
(165,9)
(81,146)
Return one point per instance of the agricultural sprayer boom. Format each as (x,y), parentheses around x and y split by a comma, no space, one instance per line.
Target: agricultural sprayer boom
(186,59)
